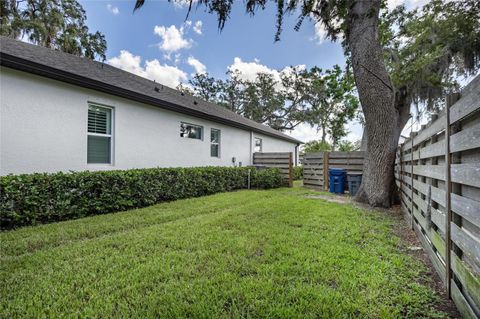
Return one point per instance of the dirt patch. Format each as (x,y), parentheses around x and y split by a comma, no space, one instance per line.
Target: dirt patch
(339,199)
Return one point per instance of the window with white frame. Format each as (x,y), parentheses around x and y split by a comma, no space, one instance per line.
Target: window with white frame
(191,131)
(215,143)
(258,145)
(99,144)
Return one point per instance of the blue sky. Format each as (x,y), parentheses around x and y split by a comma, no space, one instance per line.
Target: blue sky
(244,37)
(157,42)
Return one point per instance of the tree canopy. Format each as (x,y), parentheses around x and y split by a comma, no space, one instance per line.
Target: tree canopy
(428,49)
(55,24)
(316,146)
(285,99)
(333,101)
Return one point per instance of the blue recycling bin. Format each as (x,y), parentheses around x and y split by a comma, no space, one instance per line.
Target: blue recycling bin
(337,178)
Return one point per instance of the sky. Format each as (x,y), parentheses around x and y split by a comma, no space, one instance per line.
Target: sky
(159,42)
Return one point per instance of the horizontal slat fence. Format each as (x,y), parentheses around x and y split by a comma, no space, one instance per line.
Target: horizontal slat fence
(283,161)
(313,170)
(438,173)
(316,165)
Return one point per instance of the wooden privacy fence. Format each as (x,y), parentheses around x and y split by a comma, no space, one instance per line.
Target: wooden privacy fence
(316,165)
(283,161)
(438,172)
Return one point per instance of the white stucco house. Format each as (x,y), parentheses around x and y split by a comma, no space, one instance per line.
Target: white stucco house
(60,112)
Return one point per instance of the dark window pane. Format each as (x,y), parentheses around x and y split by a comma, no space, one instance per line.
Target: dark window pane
(214,150)
(258,144)
(215,136)
(98,150)
(191,131)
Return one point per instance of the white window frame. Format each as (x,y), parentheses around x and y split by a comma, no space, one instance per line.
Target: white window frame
(218,143)
(255,144)
(196,125)
(112,127)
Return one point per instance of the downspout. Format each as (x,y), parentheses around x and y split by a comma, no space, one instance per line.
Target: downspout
(296,154)
(251,148)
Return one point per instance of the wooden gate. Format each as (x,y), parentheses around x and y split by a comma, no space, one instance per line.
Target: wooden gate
(283,161)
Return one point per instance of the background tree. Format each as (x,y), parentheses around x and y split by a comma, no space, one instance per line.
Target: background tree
(285,99)
(445,34)
(348,146)
(331,95)
(203,86)
(55,24)
(277,100)
(232,92)
(316,146)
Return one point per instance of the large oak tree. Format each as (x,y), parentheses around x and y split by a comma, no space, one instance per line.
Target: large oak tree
(396,59)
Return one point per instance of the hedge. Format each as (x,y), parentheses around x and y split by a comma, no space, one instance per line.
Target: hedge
(32,199)
(297,173)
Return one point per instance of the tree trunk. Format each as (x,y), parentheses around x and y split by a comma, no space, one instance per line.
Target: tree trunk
(364,144)
(385,116)
(324,133)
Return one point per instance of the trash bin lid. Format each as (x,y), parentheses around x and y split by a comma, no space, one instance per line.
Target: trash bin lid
(337,171)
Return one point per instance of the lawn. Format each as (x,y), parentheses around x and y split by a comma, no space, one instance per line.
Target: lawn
(274,253)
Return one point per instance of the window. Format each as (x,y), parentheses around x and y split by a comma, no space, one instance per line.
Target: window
(215,143)
(258,144)
(99,144)
(191,131)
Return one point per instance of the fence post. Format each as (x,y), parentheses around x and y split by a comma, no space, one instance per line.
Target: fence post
(400,173)
(412,135)
(451,99)
(325,171)
(290,169)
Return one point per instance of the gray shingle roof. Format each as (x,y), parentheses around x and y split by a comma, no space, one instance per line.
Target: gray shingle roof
(100,76)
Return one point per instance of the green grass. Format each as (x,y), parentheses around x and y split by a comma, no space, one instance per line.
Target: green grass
(243,254)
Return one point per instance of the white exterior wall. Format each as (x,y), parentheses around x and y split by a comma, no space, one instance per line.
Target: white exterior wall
(43,128)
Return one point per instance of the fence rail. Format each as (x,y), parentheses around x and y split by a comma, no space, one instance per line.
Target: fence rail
(316,165)
(437,171)
(283,161)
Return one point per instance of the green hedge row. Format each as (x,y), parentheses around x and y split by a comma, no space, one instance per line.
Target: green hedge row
(42,198)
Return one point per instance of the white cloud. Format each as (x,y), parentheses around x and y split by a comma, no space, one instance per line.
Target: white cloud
(320,33)
(392,4)
(410,4)
(162,73)
(114,10)
(306,133)
(172,38)
(180,4)
(197,28)
(197,65)
(249,70)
